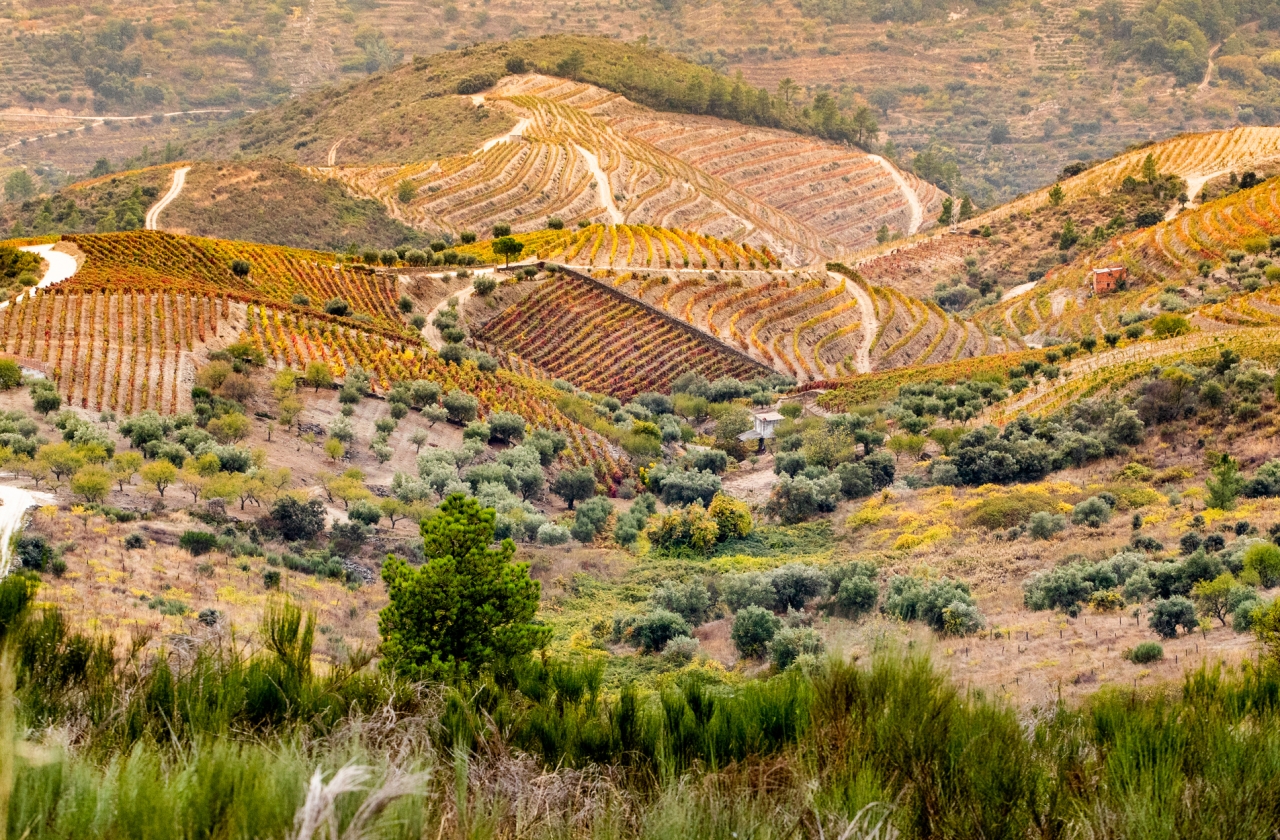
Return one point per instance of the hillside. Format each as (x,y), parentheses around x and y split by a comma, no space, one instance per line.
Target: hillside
(265,201)
(1007,94)
(581,153)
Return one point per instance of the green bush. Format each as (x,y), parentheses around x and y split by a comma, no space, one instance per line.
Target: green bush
(691,601)
(1170,614)
(856,596)
(790,643)
(1263,559)
(753,629)
(1145,652)
(1093,512)
(652,632)
(1044,525)
(750,589)
(198,542)
(945,605)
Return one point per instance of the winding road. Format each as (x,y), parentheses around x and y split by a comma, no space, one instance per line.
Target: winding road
(517,131)
(175,189)
(917,209)
(14,504)
(870,325)
(61,267)
(333,151)
(602,185)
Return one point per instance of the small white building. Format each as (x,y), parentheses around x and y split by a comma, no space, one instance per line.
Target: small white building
(766,424)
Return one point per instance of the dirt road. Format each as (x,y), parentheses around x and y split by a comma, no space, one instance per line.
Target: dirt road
(175,189)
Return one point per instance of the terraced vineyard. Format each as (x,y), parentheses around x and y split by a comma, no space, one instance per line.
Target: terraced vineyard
(120,351)
(152,260)
(128,330)
(1102,372)
(1192,157)
(576,330)
(917,267)
(1171,252)
(807,324)
(584,154)
(623,246)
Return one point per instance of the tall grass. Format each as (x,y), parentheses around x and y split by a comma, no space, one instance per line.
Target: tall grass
(220,745)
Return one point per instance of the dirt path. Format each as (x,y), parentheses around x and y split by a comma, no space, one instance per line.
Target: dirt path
(870,326)
(175,189)
(61,267)
(517,131)
(1018,291)
(333,151)
(429,332)
(602,185)
(917,209)
(14,504)
(1208,71)
(93,120)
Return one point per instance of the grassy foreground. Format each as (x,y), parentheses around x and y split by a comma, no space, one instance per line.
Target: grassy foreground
(214,743)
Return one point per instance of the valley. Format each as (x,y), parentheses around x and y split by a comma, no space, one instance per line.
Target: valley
(557,437)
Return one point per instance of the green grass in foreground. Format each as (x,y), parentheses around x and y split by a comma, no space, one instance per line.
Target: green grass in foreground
(216,744)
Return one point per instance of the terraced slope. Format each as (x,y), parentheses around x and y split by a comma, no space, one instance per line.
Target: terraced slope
(127,330)
(1193,157)
(581,153)
(576,329)
(1207,262)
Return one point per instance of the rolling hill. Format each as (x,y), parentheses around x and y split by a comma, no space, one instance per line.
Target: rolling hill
(581,153)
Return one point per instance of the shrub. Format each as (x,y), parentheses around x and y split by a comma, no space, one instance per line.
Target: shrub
(691,601)
(681,650)
(1043,525)
(1145,652)
(933,602)
(753,630)
(750,589)
(1168,325)
(653,631)
(684,487)
(796,499)
(1242,617)
(271,579)
(796,584)
(135,541)
(551,534)
(198,542)
(1263,559)
(591,519)
(733,517)
(484,285)
(338,307)
(1170,614)
(691,527)
(856,596)
(33,552)
(295,520)
(1005,510)
(711,460)
(1093,512)
(364,512)
(1061,588)
(240,268)
(790,643)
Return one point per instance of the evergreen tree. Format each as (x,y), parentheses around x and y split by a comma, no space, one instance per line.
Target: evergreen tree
(467,606)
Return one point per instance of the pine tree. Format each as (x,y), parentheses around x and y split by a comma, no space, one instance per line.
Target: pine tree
(466,607)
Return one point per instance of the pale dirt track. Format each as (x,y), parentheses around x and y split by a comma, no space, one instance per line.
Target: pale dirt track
(870,326)
(175,190)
